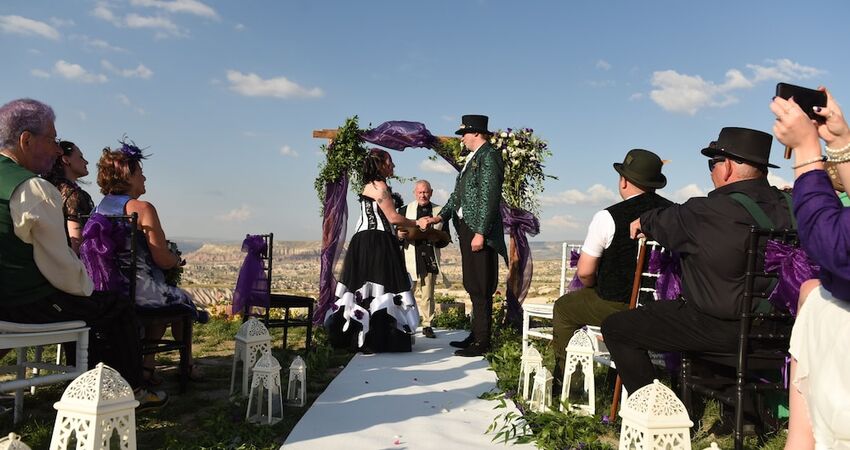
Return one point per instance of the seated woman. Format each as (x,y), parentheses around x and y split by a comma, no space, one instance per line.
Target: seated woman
(122,181)
(76,202)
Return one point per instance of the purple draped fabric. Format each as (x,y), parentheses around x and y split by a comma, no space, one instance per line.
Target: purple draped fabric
(519,223)
(333,235)
(101,241)
(575,283)
(400,134)
(794,267)
(252,287)
(669,283)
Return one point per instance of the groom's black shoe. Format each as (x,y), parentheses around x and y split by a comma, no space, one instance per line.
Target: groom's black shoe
(428,332)
(464,343)
(475,349)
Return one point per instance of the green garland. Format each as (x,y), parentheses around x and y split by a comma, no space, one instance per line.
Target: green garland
(450,149)
(345,156)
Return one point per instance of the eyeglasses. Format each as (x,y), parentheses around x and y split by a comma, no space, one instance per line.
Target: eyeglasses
(713,162)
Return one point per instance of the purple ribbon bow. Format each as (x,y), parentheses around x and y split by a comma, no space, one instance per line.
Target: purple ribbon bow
(575,283)
(794,267)
(101,241)
(519,223)
(666,264)
(252,287)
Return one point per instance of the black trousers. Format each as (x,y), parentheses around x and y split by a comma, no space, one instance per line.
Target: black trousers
(664,326)
(114,334)
(480,277)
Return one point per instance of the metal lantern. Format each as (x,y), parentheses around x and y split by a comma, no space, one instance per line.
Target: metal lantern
(541,394)
(13,442)
(531,362)
(296,392)
(266,394)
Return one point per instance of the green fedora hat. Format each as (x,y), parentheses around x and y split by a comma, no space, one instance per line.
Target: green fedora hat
(642,167)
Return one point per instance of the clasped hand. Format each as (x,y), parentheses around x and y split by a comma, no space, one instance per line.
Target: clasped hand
(424,222)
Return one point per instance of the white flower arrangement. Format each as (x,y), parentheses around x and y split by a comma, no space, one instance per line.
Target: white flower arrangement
(523,155)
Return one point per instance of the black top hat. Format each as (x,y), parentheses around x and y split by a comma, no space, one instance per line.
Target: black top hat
(473,123)
(742,144)
(643,168)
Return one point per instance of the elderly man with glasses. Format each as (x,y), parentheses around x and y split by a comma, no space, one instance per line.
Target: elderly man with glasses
(710,234)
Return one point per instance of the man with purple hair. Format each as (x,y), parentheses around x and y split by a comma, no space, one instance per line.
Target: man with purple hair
(41,278)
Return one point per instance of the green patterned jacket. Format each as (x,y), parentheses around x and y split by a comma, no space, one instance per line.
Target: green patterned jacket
(478,190)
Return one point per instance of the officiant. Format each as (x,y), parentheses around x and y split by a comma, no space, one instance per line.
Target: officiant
(422,252)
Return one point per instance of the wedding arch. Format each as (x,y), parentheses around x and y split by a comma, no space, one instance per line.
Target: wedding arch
(524,155)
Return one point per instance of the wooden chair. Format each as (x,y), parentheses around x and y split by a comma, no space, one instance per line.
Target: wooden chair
(763,341)
(279,301)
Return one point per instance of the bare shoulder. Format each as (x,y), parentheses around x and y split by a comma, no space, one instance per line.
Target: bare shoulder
(140,206)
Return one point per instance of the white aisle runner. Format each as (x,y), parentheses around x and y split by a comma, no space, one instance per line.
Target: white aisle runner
(426,399)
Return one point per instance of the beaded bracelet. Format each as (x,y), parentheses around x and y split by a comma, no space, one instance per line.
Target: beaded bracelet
(821,158)
(835,153)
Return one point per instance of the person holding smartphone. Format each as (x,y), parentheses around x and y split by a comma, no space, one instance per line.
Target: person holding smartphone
(818,400)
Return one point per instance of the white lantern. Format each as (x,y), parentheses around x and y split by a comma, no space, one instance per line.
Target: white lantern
(713,447)
(530,363)
(296,393)
(580,351)
(541,395)
(13,442)
(93,407)
(654,418)
(252,342)
(266,393)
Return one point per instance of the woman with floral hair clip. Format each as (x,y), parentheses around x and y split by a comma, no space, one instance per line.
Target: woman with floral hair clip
(76,202)
(122,181)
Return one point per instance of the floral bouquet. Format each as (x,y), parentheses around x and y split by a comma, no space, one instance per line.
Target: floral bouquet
(523,154)
(174,275)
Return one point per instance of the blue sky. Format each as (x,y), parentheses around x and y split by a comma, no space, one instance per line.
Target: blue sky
(225,94)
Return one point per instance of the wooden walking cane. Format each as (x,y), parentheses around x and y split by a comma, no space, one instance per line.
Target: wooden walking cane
(641,257)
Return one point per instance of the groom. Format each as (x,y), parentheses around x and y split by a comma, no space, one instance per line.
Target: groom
(474,210)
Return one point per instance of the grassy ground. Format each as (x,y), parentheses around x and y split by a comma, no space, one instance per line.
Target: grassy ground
(205,416)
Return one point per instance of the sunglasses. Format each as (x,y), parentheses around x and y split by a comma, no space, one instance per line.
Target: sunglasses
(713,162)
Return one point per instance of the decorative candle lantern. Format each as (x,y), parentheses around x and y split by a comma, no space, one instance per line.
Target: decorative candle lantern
(531,362)
(579,351)
(541,394)
(712,447)
(252,342)
(654,418)
(95,405)
(265,390)
(296,393)
(13,442)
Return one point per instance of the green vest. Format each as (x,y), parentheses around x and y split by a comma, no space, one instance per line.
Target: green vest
(20,280)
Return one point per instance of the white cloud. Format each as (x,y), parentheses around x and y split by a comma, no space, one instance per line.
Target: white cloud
(28,27)
(40,73)
(561,221)
(596,194)
(96,44)
(103,11)
(240,214)
(601,83)
(438,166)
(251,85)
(440,195)
(124,100)
(603,65)
(163,25)
(139,72)
(239,27)
(288,151)
(180,6)
(76,72)
(776,180)
(82,115)
(449,118)
(682,194)
(57,22)
(636,96)
(687,94)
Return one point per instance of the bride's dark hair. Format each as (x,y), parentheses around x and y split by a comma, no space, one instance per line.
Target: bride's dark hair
(372,165)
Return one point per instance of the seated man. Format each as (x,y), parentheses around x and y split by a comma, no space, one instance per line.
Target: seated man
(41,278)
(710,235)
(607,262)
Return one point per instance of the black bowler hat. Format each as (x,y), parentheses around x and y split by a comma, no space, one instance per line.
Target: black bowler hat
(643,168)
(473,123)
(742,144)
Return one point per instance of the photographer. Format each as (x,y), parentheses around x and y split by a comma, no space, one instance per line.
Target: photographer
(819,415)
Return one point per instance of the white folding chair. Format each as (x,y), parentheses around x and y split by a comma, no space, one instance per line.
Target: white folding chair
(21,336)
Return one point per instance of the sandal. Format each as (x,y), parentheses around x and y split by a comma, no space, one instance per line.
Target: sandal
(150,376)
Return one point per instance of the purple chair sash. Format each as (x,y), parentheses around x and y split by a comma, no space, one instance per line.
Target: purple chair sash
(575,283)
(101,241)
(794,267)
(252,287)
(666,264)
(519,224)
(400,134)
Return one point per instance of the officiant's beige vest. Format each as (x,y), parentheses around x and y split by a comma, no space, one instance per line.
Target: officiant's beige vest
(410,250)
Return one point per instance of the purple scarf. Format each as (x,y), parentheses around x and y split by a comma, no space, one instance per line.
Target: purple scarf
(794,267)
(400,134)
(333,236)
(519,223)
(252,287)
(101,241)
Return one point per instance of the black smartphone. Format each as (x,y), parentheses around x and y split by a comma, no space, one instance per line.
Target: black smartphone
(805,97)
